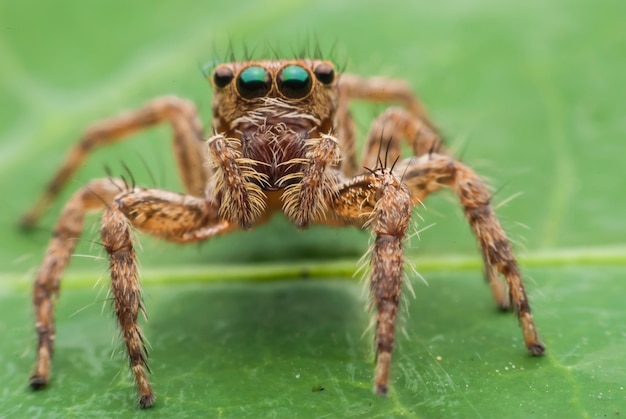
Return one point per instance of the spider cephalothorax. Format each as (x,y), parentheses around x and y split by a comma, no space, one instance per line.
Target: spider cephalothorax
(283,141)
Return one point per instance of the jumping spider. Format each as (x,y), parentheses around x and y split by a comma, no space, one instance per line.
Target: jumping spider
(283,141)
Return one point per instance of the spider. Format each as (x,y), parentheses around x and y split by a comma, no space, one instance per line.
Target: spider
(283,141)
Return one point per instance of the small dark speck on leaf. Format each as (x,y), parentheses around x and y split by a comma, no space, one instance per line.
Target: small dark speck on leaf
(317,388)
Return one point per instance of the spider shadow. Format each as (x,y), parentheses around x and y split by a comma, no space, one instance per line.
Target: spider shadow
(256,330)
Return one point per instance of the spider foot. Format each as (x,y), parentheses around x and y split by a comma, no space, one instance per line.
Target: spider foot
(536,348)
(146,401)
(37,382)
(381,390)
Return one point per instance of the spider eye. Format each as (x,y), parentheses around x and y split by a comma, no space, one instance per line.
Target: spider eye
(294,82)
(253,82)
(325,73)
(222,76)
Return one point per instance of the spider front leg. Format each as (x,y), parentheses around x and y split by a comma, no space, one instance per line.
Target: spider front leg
(392,216)
(117,240)
(93,196)
(430,173)
(381,201)
(170,216)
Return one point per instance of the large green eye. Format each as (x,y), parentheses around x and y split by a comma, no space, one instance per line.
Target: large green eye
(294,82)
(253,82)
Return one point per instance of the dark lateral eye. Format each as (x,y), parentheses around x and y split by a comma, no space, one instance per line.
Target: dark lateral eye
(294,82)
(325,73)
(222,76)
(253,81)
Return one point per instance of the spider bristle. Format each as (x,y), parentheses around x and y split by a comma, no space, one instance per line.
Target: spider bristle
(505,201)
(273,51)
(230,52)
(125,182)
(301,53)
(248,53)
(406,280)
(133,183)
(206,68)
(500,189)
(461,151)
(393,165)
(387,152)
(406,168)
(108,171)
(379,163)
(317,49)
(153,180)
(339,59)
(364,267)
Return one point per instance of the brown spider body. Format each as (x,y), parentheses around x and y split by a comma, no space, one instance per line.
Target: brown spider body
(283,141)
(272,132)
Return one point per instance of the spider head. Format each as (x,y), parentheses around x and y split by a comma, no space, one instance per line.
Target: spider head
(298,93)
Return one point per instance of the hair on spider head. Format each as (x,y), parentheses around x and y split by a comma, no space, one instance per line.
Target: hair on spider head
(308,47)
(207,68)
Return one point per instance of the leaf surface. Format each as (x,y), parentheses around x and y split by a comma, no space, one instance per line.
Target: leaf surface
(256,323)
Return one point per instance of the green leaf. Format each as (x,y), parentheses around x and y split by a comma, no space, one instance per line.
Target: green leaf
(241,349)
(258,323)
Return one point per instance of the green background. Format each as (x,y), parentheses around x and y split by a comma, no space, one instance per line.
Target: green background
(531,95)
